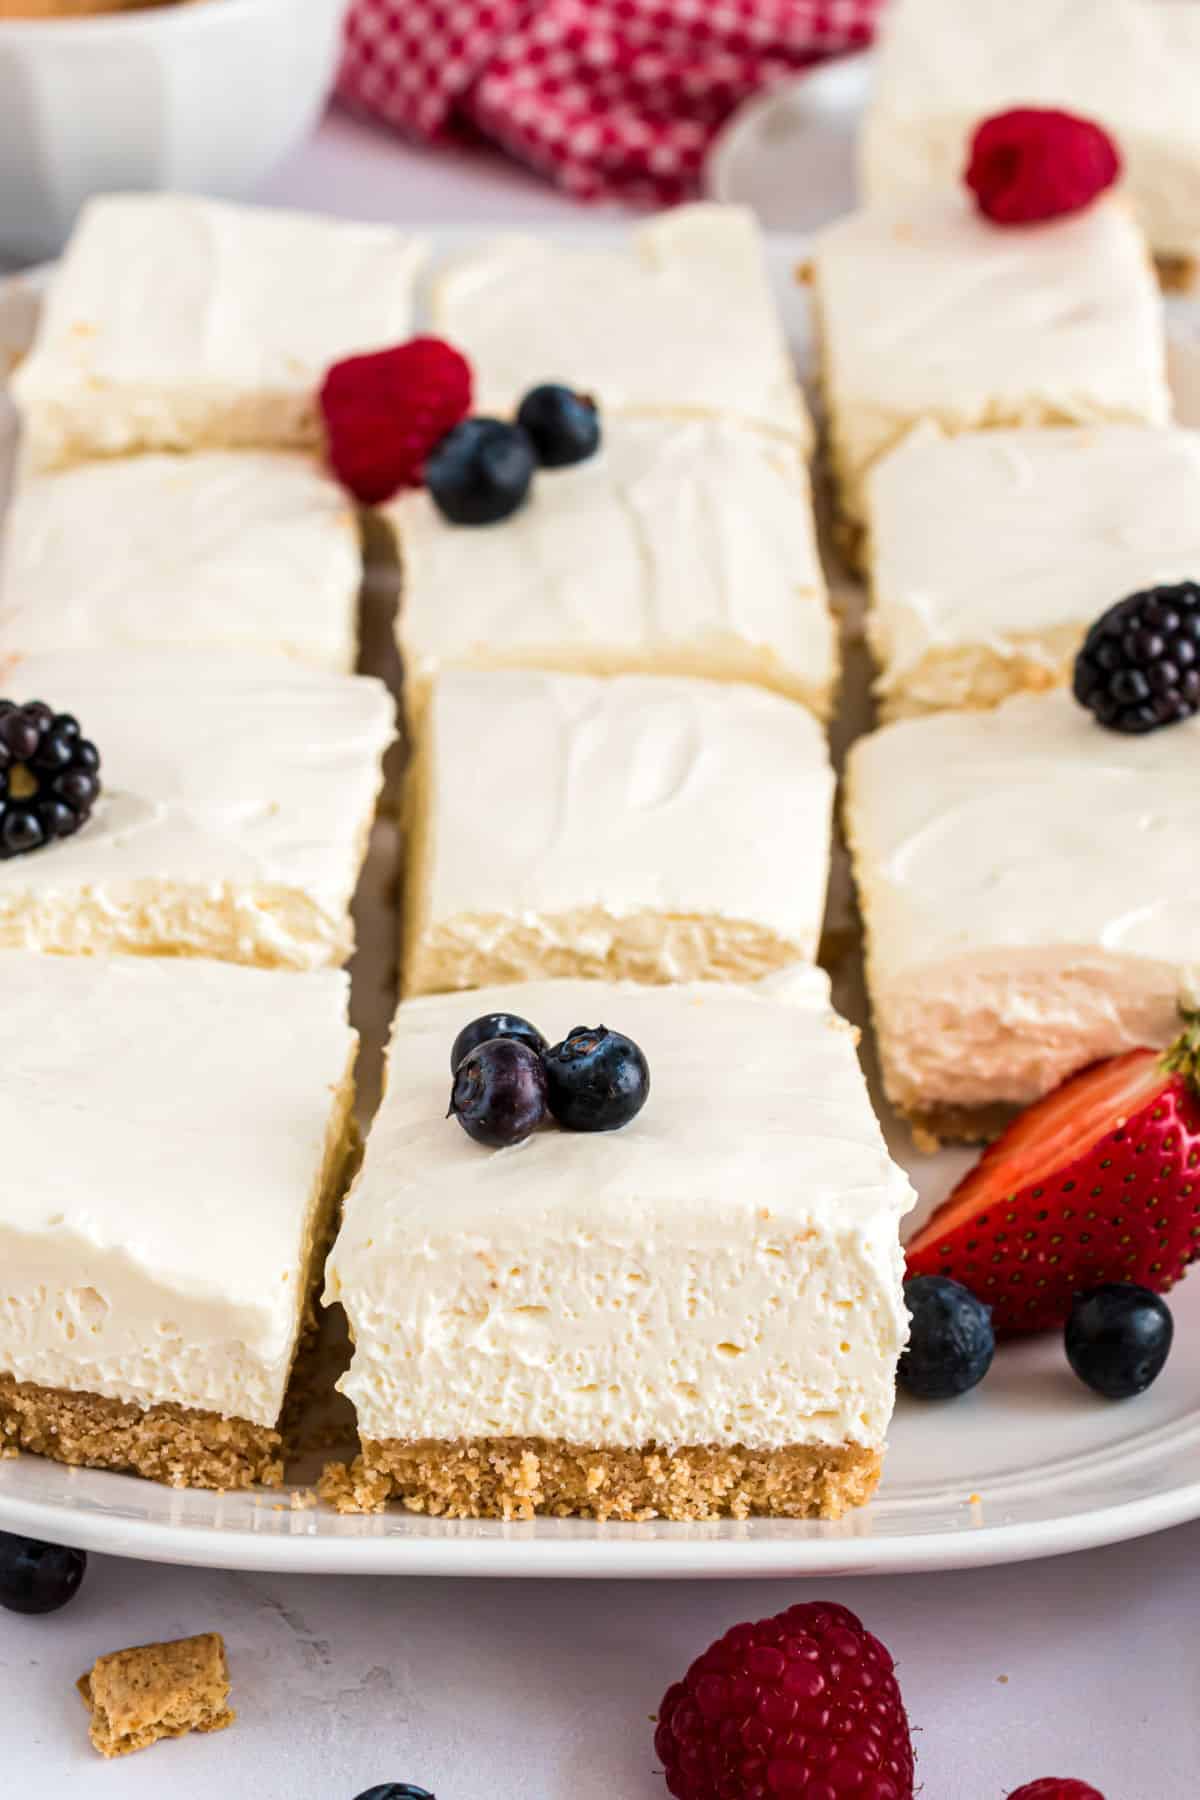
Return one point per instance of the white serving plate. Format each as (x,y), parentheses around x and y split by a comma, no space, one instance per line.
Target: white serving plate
(1030,1465)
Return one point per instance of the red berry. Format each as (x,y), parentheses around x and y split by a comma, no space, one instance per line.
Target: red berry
(1050,1787)
(1033,164)
(1098,1182)
(385,412)
(805,1706)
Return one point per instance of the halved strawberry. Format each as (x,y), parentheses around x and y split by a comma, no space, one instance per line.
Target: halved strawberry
(1100,1181)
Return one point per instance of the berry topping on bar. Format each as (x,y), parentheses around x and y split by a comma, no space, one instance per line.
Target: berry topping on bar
(951,1342)
(495,1025)
(563,427)
(1097,1183)
(481,472)
(597,1080)
(804,1703)
(49,776)
(1035,163)
(1139,667)
(1118,1338)
(384,413)
(499,1093)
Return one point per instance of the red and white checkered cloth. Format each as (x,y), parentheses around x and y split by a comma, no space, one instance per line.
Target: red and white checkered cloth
(608,97)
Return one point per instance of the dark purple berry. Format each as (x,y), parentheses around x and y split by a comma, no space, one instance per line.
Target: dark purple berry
(49,776)
(1139,666)
(596,1080)
(563,427)
(499,1093)
(495,1025)
(37,1577)
(951,1342)
(396,1790)
(1118,1338)
(480,472)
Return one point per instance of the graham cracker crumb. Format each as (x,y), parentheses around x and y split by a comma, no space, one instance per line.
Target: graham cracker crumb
(157,1691)
(519,1478)
(303,1499)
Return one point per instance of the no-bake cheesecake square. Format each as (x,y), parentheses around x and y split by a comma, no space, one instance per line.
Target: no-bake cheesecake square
(242,549)
(178,1135)
(177,323)
(238,792)
(697,1315)
(679,319)
(684,547)
(1028,885)
(928,311)
(992,552)
(632,827)
(1129,64)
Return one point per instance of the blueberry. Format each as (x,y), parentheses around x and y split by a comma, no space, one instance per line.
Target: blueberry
(495,1025)
(564,427)
(396,1790)
(1118,1338)
(37,1577)
(499,1093)
(479,473)
(951,1342)
(596,1080)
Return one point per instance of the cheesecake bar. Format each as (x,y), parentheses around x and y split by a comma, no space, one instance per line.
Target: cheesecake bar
(1028,886)
(1129,64)
(684,547)
(242,549)
(178,1136)
(680,318)
(927,310)
(176,323)
(697,1315)
(991,553)
(637,828)
(237,795)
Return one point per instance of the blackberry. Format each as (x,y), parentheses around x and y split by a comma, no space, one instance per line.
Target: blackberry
(49,776)
(1139,667)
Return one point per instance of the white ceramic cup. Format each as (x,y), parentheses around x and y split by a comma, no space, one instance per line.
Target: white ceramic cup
(205,98)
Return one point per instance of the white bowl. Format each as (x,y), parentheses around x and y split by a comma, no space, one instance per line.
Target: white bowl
(204,97)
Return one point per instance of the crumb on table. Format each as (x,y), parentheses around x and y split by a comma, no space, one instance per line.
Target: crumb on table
(155,1691)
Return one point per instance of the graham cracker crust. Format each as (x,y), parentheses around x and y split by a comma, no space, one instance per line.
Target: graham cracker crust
(517,1478)
(136,1697)
(166,1443)
(958,1124)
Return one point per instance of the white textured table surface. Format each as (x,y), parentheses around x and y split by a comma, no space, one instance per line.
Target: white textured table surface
(503,1691)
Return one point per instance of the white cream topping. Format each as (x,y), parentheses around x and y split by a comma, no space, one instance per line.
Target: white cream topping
(1028,881)
(682,319)
(724,1270)
(237,795)
(682,547)
(1130,64)
(175,322)
(249,550)
(164,1128)
(551,794)
(997,538)
(929,311)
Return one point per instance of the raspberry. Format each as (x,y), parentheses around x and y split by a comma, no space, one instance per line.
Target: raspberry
(804,1705)
(385,412)
(1033,164)
(1050,1787)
